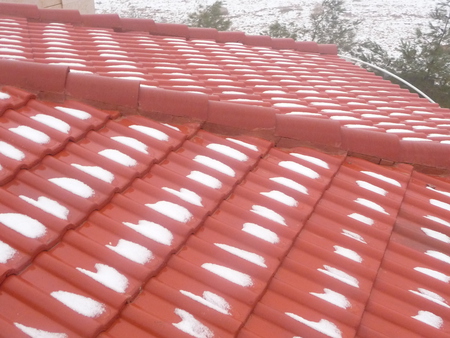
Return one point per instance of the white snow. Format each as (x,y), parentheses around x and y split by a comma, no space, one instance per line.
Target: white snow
(311,159)
(6,252)
(244,144)
(108,276)
(77,113)
(85,306)
(340,275)
(323,326)
(186,195)
(383,178)
(371,205)
(172,210)
(429,318)
(233,276)
(37,333)
(260,232)
(132,143)
(74,186)
(228,151)
(52,122)
(281,197)
(440,204)
(287,182)
(96,171)
(210,300)
(353,235)
(23,224)
(439,191)
(152,132)
(350,254)
(362,218)
(31,134)
(247,255)
(133,251)
(436,235)
(438,220)
(205,179)
(431,296)
(10,151)
(152,230)
(269,214)
(119,157)
(438,255)
(192,326)
(333,297)
(371,187)
(215,164)
(433,273)
(48,205)
(4,96)
(298,168)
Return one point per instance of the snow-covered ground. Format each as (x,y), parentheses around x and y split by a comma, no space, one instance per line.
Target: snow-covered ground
(384,21)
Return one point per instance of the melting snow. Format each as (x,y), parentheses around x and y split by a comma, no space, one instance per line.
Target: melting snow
(210,300)
(52,122)
(74,186)
(429,318)
(312,159)
(172,210)
(362,218)
(48,205)
(371,187)
(439,191)
(36,333)
(247,255)
(83,305)
(186,195)
(298,168)
(108,276)
(436,235)
(350,254)
(4,96)
(95,171)
(244,144)
(205,179)
(192,326)
(371,205)
(333,298)
(433,273)
(440,204)
(438,255)
(79,114)
(431,296)
(268,213)
(10,151)
(152,132)
(119,157)
(6,252)
(132,143)
(323,326)
(233,276)
(134,252)
(228,151)
(340,275)
(354,236)
(260,232)
(23,224)
(383,178)
(438,220)
(287,182)
(215,164)
(152,230)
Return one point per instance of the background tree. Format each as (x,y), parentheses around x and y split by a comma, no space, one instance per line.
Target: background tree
(213,16)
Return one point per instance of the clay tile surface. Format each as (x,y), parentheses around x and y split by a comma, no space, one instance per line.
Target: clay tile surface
(158,180)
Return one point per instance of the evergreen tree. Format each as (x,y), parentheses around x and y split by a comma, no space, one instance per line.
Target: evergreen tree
(212,16)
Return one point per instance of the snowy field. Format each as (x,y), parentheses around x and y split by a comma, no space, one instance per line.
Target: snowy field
(384,21)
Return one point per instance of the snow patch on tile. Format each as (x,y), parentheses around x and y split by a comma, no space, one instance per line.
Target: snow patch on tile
(333,298)
(440,204)
(52,122)
(119,157)
(152,230)
(77,113)
(215,164)
(205,179)
(134,252)
(437,220)
(48,205)
(298,168)
(323,326)
(383,178)
(96,171)
(269,214)
(311,159)
(74,186)
(362,218)
(31,134)
(85,306)
(247,255)
(371,187)
(353,235)
(37,333)
(429,318)
(4,96)
(438,255)
(172,210)
(231,275)
(350,254)
(371,205)
(192,326)
(132,143)
(434,274)
(152,132)
(244,144)
(340,275)
(445,193)
(23,224)
(10,151)
(186,195)
(6,252)
(281,197)
(436,235)
(261,232)
(210,300)
(108,276)
(431,296)
(228,151)
(287,182)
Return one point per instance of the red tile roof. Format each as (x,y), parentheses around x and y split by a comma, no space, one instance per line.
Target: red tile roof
(161,180)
